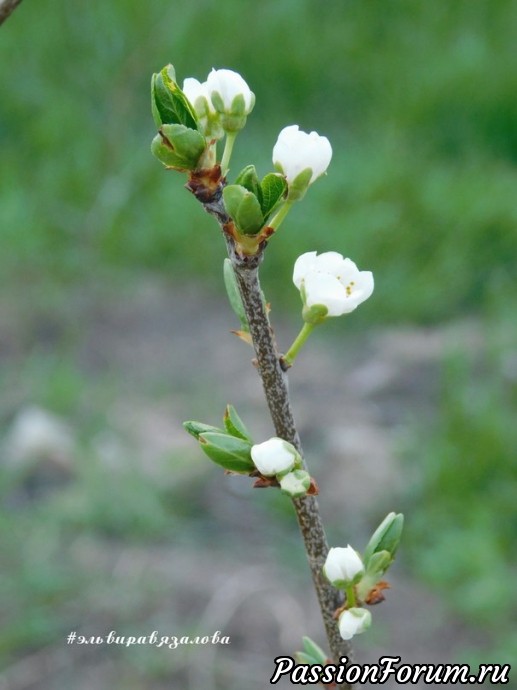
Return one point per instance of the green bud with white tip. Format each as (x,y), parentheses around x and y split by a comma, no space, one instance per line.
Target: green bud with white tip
(231,97)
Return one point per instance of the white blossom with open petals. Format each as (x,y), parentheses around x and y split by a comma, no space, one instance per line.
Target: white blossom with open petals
(354,621)
(331,281)
(343,565)
(274,457)
(296,151)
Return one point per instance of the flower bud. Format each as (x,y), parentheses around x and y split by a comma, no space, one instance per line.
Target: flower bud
(178,147)
(275,457)
(199,96)
(343,566)
(231,98)
(332,282)
(244,208)
(296,483)
(354,621)
(301,157)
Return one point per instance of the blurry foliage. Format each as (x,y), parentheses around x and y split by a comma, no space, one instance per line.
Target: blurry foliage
(420,104)
(462,536)
(419,100)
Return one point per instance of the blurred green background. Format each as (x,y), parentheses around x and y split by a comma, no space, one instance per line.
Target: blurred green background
(110,280)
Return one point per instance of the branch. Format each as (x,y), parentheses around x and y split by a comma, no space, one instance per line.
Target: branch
(6,8)
(274,380)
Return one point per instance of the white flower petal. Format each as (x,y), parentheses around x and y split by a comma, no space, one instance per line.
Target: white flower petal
(229,84)
(354,621)
(296,151)
(343,564)
(324,289)
(273,456)
(302,266)
(330,262)
(332,281)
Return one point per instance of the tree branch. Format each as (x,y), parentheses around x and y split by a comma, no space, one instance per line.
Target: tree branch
(274,380)
(6,8)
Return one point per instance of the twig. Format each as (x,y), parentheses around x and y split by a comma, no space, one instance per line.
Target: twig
(6,8)
(274,380)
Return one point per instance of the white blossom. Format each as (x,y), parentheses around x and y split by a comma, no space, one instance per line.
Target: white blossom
(224,85)
(342,565)
(354,621)
(199,96)
(331,281)
(194,90)
(274,457)
(296,151)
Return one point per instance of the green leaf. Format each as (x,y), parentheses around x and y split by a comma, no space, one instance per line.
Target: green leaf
(303,658)
(378,564)
(234,424)
(178,146)
(314,651)
(232,453)
(234,296)
(386,537)
(248,178)
(197,428)
(169,103)
(244,208)
(273,188)
(300,185)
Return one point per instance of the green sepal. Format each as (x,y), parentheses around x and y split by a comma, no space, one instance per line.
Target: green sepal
(315,314)
(234,296)
(302,482)
(244,208)
(234,424)
(299,185)
(314,651)
(178,146)
(230,452)
(197,428)
(273,188)
(234,119)
(386,537)
(168,102)
(248,178)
